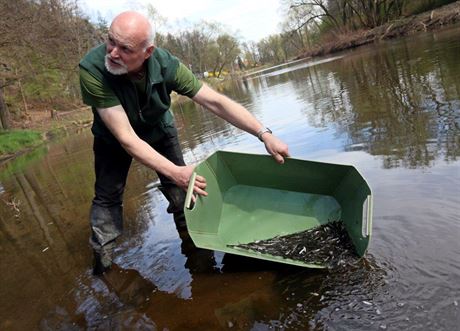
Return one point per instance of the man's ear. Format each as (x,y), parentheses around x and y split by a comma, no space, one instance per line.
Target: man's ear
(149,50)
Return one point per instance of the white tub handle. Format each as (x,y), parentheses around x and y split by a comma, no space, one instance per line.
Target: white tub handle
(367,217)
(188,197)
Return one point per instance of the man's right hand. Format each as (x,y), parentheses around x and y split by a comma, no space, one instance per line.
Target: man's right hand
(116,120)
(182,175)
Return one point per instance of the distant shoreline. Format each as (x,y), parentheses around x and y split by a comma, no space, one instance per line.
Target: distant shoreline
(427,21)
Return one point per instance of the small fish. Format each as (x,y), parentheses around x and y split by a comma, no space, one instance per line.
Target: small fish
(327,245)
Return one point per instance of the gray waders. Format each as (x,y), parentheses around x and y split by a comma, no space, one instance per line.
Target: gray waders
(112,164)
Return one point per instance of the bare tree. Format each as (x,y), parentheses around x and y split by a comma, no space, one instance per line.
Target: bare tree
(251,54)
(41,43)
(227,52)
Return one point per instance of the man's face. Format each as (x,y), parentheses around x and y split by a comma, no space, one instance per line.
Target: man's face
(124,55)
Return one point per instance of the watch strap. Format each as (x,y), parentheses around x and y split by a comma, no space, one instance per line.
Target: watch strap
(262,131)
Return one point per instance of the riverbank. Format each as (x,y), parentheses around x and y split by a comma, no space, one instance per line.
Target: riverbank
(38,127)
(427,21)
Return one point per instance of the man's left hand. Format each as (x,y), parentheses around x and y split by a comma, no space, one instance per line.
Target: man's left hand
(277,148)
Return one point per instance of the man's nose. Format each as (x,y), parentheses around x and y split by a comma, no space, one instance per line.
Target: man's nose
(113,51)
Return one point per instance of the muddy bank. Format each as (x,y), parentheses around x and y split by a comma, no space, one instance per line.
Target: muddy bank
(431,20)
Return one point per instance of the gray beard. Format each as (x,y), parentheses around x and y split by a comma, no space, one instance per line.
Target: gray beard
(122,70)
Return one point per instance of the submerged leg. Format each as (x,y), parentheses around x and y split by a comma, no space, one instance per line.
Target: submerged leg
(106,226)
(176,199)
(111,168)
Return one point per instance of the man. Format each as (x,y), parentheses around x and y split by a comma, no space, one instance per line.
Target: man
(127,81)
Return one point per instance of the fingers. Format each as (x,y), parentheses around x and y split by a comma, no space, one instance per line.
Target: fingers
(286,153)
(278,158)
(200,186)
(278,150)
(276,147)
(201,180)
(200,191)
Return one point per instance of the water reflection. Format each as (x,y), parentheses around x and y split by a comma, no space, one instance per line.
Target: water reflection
(400,103)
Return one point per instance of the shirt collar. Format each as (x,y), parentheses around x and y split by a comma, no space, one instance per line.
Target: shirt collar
(154,69)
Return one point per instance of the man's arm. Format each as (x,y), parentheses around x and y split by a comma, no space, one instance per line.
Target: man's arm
(117,122)
(237,115)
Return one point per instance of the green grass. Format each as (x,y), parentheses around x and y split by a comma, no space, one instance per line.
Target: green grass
(14,141)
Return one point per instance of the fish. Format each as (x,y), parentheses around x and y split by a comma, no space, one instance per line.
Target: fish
(327,244)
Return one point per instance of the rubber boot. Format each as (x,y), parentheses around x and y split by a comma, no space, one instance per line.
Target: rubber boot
(103,256)
(106,226)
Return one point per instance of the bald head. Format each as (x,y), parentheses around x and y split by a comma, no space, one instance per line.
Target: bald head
(129,44)
(134,28)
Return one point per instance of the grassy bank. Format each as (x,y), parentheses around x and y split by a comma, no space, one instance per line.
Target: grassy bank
(12,141)
(38,127)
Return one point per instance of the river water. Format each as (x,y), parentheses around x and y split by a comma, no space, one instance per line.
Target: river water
(391,109)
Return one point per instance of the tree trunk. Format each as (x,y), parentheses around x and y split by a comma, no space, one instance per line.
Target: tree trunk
(26,108)
(4,114)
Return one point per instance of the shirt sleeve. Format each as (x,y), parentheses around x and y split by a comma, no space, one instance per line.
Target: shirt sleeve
(94,93)
(186,82)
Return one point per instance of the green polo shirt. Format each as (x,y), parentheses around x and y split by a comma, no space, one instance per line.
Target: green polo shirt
(98,95)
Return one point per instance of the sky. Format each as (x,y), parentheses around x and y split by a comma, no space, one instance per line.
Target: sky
(249,19)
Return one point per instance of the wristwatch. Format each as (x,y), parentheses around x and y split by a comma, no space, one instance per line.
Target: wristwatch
(261,132)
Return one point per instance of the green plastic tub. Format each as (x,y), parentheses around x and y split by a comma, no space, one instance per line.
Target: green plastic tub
(251,197)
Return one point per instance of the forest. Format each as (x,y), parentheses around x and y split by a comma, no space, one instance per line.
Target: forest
(42,41)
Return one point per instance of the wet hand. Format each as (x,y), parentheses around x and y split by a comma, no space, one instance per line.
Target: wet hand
(276,147)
